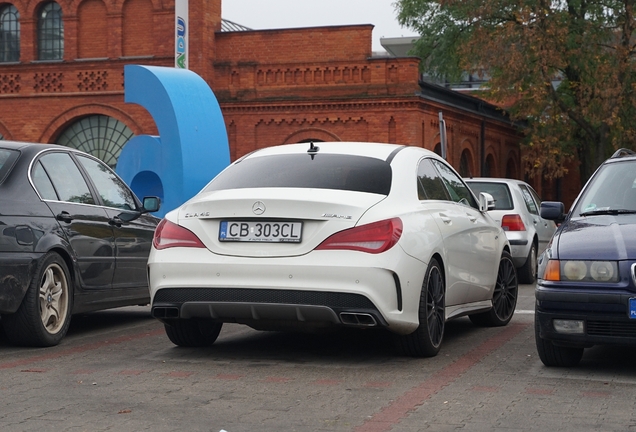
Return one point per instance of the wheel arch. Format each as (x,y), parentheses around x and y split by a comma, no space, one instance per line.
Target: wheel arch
(70,266)
(442,265)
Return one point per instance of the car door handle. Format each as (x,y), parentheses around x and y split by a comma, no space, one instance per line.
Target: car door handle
(64,217)
(116,222)
(471,217)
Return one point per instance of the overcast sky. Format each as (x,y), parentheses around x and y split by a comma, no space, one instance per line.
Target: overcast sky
(272,14)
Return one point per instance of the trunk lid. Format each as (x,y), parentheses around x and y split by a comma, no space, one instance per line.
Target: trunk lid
(322,213)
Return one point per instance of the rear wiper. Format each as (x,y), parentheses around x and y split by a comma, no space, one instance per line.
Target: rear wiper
(607,212)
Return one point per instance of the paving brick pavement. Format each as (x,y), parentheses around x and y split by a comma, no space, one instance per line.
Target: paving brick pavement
(118,371)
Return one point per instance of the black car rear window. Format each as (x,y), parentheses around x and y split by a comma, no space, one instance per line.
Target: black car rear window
(499,191)
(322,171)
(7,157)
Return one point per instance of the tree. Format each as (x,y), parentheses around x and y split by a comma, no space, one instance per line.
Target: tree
(565,68)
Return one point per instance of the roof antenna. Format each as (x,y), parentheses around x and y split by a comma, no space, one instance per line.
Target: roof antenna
(313,150)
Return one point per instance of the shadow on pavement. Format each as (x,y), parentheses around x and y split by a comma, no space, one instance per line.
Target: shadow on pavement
(341,346)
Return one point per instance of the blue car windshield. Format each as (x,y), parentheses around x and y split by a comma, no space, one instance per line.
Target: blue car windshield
(612,190)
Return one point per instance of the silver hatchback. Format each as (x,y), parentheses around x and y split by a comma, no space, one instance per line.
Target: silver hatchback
(517,210)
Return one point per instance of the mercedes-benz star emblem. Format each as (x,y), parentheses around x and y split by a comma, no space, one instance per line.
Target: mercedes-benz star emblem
(258,208)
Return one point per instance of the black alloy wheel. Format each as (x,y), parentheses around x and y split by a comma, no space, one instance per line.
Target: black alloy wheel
(504,297)
(426,340)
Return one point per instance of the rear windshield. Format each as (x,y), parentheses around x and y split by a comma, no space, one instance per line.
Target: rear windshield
(499,191)
(7,157)
(323,171)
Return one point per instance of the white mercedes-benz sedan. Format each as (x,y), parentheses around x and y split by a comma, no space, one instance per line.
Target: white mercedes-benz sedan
(314,235)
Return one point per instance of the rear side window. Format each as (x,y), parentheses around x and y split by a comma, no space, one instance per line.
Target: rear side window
(43,183)
(7,157)
(527,198)
(430,185)
(499,191)
(66,178)
(322,171)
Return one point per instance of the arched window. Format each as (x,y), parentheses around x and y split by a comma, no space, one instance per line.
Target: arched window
(438,149)
(50,32)
(9,34)
(489,167)
(466,164)
(92,35)
(99,135)
(511,169)
(137,14)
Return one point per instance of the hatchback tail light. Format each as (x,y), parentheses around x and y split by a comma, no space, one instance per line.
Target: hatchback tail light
(168,234)
(373,238)
(512,222)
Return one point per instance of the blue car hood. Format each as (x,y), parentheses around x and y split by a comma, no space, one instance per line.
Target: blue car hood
(598,237)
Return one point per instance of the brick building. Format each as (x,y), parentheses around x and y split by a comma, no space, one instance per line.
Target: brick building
(61,80)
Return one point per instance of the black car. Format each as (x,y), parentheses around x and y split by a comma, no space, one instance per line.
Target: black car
(586,292)
(73,238)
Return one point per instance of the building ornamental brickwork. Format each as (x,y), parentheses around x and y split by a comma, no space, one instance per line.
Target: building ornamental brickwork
(61,67)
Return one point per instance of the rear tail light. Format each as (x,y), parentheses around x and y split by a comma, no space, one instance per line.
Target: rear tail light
(373,238)
(168,234)
(512,222)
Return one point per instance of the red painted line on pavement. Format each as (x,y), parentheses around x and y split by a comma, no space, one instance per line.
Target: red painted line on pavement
(79,349)
(327,382)
(231,377)
(179,374)
(389,416)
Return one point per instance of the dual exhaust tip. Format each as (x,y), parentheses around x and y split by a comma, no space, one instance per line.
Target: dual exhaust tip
(358,319)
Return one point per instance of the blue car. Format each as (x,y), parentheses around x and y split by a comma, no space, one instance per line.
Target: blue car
(586,288)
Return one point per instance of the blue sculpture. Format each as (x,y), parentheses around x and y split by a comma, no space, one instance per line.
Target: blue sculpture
(192,146)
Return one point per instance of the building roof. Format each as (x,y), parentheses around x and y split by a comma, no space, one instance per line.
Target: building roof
(231,26)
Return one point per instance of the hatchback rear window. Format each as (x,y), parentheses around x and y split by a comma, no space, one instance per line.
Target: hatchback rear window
(499,191)
(7,157)
(322,171)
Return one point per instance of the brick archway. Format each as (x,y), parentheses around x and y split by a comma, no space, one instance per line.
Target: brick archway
(65,119)
(305,135)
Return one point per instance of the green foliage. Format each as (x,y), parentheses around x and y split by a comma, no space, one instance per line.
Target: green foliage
(564,67)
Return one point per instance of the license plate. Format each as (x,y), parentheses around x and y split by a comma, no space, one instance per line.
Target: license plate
(632,308)
(261,231)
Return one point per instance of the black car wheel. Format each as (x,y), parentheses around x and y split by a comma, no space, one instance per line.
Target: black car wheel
(504,297)
(554,355)
(528,272)
(193,333)
(427,339)
(44,316)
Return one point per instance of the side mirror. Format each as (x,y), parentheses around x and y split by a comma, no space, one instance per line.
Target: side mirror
(553,210)
(151,204)
(486,202)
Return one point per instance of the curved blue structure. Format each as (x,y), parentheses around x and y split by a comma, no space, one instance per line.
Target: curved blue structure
(192,146)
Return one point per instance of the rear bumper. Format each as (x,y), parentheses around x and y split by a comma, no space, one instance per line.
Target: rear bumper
(16,272)
(330,288)
(520,244)
(256,306)
(604,316)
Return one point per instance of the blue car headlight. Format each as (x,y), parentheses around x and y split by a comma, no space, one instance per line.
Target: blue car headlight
(581,271)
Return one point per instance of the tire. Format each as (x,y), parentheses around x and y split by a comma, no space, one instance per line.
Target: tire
(555,356)
(193,333)
(504,297)
(528,272)
(426,340)
(44,315)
